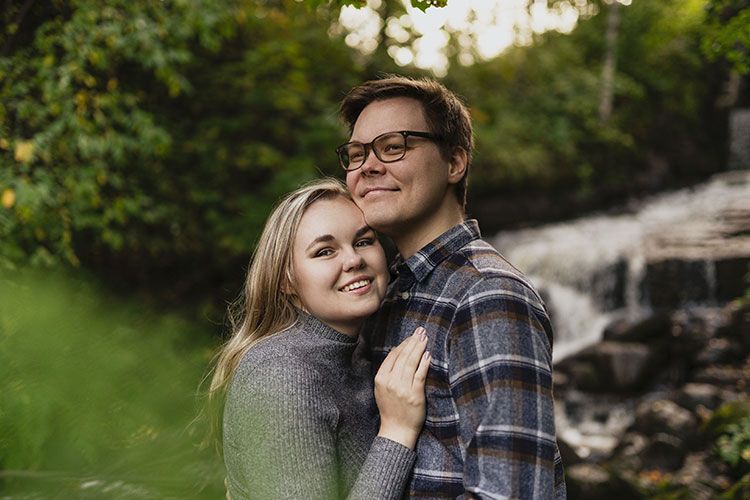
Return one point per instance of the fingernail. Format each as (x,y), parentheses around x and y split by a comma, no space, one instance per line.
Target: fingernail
(426,355)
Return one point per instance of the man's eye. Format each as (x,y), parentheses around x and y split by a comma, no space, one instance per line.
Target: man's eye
(356,155)
(393,148)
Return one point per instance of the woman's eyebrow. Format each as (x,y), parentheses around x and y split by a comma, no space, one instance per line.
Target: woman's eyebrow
(362,231)
(320,239)
(329,237)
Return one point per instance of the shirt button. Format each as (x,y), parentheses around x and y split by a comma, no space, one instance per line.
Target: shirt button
(405,295)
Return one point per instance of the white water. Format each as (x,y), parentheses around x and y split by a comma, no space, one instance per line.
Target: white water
(573,262)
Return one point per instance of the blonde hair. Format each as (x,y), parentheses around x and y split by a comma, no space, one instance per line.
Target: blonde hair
(267,304)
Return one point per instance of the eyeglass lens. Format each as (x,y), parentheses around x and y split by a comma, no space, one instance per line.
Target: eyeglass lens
(388,148)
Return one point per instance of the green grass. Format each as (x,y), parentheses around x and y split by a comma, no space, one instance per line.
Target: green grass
(97,396)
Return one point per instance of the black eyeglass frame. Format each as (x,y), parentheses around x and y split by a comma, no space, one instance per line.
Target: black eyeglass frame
(368,147)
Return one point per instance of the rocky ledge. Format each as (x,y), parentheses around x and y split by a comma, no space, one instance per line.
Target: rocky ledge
(660,407)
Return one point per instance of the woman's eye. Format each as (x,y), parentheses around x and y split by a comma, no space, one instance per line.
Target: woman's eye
(365,242)
(323,252)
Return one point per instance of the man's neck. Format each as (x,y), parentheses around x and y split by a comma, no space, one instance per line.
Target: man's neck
(412,239)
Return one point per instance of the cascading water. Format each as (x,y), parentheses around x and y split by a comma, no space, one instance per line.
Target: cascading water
(591,270)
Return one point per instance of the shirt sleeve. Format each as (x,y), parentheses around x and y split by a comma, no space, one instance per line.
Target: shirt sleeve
(500,376)
(280,440)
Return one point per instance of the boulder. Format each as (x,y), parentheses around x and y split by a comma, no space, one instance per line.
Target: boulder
(725,376)
(690,333)
(656,326)
(719,351)
(629,451)
(610,366)
(673,282)
(735,323)
(664,452)
(692,396)
(593,482)
(664,416)
(730,275)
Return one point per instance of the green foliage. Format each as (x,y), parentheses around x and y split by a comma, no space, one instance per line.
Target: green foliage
(96,396)
(143,137)
(727,33)
(419,4)
(535,108)
(733,446)
(739,491)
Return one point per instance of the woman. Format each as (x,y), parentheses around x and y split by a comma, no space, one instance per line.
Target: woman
(299,419)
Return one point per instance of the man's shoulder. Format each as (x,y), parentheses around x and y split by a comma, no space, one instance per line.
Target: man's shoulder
(483,269)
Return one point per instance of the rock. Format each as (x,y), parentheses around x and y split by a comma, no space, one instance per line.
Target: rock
(664,416)
(584,375)
(694,395)
(673,282)
(730,277)
(568,453)
(623,366)
(664,452)
(609,366)
(593,482)
(698,474)
(741,489)
(735,323)
(630,450)
(718,350)
(739,138)
(726,376)
(690,333)
(657,325)
(587,481)
(608,285)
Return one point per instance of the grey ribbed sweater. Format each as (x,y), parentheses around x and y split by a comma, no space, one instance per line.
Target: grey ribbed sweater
(300,421)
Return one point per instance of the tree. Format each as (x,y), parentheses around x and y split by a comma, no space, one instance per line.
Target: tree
(141,138)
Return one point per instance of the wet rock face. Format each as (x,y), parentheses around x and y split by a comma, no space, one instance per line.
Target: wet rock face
(634,410)
(664,417)
(739,138)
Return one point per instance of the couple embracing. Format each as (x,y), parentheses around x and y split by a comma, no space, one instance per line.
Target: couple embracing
(342,380)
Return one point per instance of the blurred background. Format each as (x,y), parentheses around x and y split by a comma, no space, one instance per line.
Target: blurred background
(143,143)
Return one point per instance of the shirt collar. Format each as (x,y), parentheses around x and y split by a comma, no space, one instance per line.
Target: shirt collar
(420,265)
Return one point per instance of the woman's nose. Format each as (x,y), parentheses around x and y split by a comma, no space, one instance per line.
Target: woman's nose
(353,260)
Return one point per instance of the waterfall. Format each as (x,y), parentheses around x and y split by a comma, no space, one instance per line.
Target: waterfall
(592,270)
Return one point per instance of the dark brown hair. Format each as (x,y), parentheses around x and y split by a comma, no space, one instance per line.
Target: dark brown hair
(447,116)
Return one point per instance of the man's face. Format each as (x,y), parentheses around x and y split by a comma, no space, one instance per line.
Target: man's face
(400,196)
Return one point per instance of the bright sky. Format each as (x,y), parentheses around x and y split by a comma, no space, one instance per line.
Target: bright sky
(484,28)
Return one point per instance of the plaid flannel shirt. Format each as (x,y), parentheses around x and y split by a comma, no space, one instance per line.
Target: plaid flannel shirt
(490,430)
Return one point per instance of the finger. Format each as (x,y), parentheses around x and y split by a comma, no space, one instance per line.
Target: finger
(387,365)
(420,376)
(409,358)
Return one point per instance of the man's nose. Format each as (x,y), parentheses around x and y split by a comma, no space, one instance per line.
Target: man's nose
(372,164)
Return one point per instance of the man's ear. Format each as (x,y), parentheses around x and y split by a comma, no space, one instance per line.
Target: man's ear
(457,165)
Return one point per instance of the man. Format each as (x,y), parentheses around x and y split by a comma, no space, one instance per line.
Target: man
(490,429)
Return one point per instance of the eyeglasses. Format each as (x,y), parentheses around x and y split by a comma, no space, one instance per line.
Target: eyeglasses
(388,147)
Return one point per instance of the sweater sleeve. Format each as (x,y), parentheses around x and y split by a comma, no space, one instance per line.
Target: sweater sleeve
(280,439)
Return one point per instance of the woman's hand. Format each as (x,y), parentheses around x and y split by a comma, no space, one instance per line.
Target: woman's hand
(399,390)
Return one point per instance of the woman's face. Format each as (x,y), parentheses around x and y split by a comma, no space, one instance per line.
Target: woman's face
(339,268)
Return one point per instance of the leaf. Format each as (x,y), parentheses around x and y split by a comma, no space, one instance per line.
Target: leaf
(8,198)
(423,5)
(24,151)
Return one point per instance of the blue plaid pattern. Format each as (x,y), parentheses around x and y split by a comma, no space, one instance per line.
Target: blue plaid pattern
(490,430)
